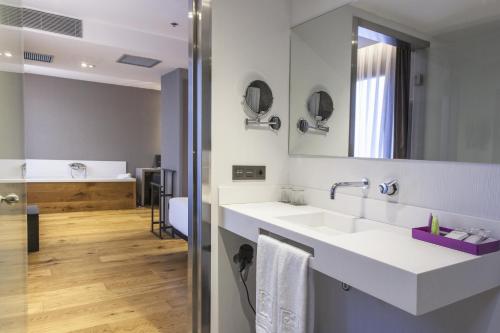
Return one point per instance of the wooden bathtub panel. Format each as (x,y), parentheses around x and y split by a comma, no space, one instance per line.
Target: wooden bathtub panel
(77,186)
(81,196)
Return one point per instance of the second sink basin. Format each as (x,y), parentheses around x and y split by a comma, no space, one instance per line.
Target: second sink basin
(332,224)
(325,222)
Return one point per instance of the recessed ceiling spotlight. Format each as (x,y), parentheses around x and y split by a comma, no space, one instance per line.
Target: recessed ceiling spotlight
(87,65)
(190,15)
(7,54)
(174,24)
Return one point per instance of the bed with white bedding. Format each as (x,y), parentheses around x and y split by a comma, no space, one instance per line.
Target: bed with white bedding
(178,216)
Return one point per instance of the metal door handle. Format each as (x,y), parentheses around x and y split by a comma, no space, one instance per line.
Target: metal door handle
(10,199)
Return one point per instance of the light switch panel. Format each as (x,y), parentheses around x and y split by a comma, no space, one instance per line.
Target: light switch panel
(249,172)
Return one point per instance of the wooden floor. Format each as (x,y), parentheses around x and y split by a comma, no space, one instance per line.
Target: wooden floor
(100,272)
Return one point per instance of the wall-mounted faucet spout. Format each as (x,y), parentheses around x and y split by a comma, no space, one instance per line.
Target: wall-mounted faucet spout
(364,183)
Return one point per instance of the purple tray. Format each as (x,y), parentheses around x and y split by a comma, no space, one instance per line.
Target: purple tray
(423,234)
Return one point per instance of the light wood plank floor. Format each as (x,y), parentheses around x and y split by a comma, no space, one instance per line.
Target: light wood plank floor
(104,272)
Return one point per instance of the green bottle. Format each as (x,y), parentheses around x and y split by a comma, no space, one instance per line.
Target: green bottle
(435,226)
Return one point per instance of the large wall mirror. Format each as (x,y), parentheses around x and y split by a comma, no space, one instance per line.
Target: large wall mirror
(417,80)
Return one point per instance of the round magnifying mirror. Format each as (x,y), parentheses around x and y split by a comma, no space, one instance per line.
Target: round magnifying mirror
(258,99)
(320,106)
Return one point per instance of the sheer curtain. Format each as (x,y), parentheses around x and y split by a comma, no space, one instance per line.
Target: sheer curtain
(374,119)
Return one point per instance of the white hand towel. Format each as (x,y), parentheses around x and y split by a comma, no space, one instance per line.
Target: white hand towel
(293,290)
(268,251)
(285,302)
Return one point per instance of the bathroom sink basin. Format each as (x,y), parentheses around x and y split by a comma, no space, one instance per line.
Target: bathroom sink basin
(330,223)
(324,222)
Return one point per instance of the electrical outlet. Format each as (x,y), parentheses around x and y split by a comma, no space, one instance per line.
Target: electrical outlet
(249,172)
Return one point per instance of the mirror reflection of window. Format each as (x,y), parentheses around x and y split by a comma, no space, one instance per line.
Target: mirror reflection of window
(382,108)
(253,98)
(375,86)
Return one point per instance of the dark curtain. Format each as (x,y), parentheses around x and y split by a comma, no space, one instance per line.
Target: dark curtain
(402,101)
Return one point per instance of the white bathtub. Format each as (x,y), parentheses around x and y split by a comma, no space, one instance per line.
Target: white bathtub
(59,169)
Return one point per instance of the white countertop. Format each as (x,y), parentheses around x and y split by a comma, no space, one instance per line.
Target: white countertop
(383,261)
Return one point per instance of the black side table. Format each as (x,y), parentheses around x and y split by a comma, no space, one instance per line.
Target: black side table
(33,228)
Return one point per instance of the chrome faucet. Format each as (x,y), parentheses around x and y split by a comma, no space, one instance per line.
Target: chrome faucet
(390,188)
(364,183)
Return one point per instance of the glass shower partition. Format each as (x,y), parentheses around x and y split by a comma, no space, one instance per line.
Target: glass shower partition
(13,245)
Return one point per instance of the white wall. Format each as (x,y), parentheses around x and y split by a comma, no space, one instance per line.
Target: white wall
(469,189)
(250,40)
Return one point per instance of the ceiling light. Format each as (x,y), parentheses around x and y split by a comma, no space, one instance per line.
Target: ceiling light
(87,65)
(7,54)
(190,15)
(138,61)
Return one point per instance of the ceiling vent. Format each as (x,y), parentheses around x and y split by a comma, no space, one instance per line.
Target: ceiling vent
(12,16)
(38,57)
(138,61)
(38,20)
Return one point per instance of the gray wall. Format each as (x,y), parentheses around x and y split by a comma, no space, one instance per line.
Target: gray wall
(174,127)
(71,119)
(11,116)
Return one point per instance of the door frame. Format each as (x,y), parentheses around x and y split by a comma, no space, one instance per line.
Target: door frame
(199,147)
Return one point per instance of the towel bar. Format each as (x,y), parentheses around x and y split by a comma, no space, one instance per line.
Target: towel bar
(345,286)
(288,241)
